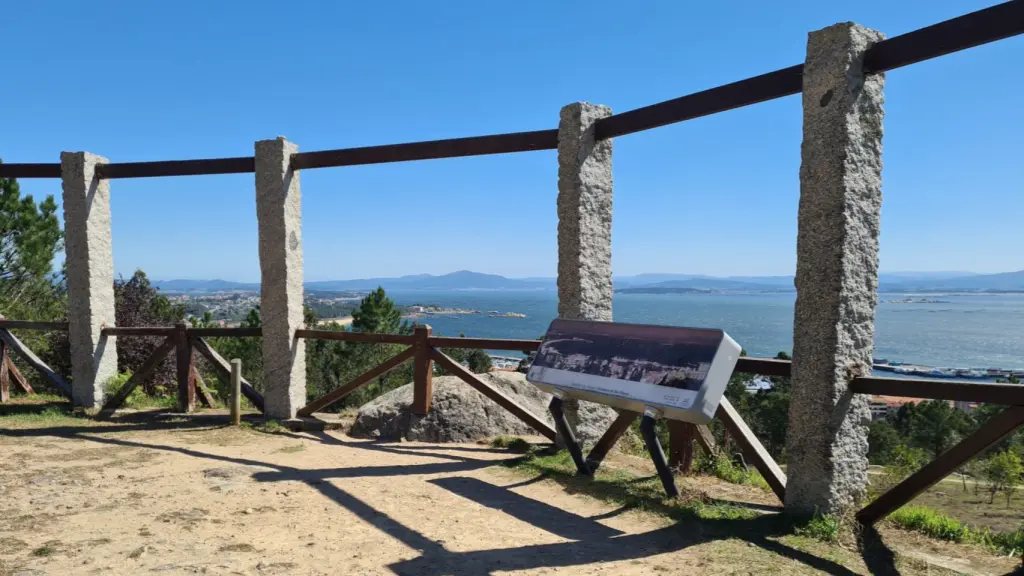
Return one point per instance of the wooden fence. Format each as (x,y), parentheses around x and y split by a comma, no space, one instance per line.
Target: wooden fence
(423,349)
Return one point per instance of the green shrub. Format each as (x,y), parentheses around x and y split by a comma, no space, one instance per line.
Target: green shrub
(500,441)
(114,384)
(512,443)
(824,527)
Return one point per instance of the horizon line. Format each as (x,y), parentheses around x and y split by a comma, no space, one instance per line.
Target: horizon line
(555,277)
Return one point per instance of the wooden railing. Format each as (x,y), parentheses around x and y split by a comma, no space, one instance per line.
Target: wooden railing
(184,341)
(423,349)
(753,451)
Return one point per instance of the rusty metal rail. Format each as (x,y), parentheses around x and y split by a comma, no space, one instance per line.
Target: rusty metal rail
(967,31)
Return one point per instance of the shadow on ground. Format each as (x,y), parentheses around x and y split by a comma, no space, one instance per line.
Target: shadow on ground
(591,541)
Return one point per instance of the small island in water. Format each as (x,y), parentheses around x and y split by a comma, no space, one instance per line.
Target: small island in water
(909,300)
(416,311)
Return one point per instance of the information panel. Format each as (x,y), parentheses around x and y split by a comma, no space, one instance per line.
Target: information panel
(681,371)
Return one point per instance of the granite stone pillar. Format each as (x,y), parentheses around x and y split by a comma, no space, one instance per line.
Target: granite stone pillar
(90,276)
(836,271)
(584,215)
(279,212)
(584,223)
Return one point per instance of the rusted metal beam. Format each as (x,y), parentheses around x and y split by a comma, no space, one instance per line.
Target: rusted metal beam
(494,394)
(30,170)
(198,167)
(973,29)
(784,82)
(358,382)
(993,431)
(967,31)
(451,148)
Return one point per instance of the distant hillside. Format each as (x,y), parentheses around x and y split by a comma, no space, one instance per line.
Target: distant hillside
(1002,282)
(888,282)
(642,283)
(205,286)
(461,280)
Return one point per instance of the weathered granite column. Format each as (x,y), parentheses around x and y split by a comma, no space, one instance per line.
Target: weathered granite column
(279,212)
(90,276)
(584,215)
(584,223)
(836,271)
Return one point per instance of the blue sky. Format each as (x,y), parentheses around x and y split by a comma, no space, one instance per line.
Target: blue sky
(717,195)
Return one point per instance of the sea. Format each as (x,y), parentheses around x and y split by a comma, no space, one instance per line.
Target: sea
(942,330)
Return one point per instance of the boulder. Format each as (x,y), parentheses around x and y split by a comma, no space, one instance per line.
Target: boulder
(461,414)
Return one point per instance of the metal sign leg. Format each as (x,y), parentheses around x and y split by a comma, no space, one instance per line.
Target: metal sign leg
(565,431)
(658,455)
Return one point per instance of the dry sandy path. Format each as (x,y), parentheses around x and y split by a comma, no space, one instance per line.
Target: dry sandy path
(226,501)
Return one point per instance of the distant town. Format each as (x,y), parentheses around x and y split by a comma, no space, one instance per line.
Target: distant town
(230,307)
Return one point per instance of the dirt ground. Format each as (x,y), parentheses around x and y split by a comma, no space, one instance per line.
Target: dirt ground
(184,497)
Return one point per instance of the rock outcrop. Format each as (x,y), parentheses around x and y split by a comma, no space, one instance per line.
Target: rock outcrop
(461,414)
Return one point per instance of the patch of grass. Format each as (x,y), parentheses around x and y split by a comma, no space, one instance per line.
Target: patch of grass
(938,525)
(512,443)
(46,550)
(628,490)
(265,426)
(931,523)
(41,414)
(823,527)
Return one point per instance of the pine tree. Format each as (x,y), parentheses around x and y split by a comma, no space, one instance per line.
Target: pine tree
(30,237)
(377,313)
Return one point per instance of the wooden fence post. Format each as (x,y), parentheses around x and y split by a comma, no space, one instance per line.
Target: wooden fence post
(5,378)
(680,443)
(236,392)
(186,386)
(423,371)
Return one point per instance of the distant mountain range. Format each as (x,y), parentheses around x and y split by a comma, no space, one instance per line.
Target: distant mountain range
(641,283)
